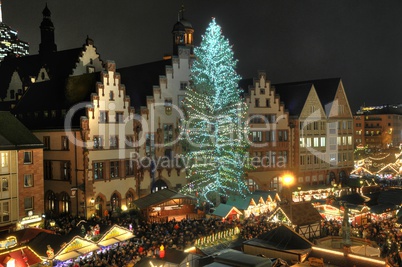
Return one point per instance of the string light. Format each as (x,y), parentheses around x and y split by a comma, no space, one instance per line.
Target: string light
(215,130)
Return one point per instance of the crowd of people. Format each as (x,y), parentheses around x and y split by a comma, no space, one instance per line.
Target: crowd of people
(385,234)
(149,237)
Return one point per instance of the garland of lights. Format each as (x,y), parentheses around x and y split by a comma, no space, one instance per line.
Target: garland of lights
(214,132)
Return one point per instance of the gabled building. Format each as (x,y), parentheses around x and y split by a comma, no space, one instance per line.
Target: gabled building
(378,127)
(322,123)
(21,174)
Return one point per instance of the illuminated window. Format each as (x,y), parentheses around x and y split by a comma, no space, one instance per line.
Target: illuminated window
(114,141)
(4,159)
(167,133)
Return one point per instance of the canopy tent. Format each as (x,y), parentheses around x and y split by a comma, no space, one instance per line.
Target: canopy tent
(78,246)
(366,250)
(114,235)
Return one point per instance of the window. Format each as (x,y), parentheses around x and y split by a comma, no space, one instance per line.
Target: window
(4,184)
(114,169)
(4,159)
(64,143)
(103,117)
(65,170)
(150,144)
(53,113)
(262,91)
(47,170)
(64,203)
(111,95)
(315,142)
(129,200)
(183,85)
(12,94)
(267,103)
(119,117)
(28,180)
(322,141)
(114,202)
(98,142)
(256,136)
(308,142)
(257,103)
(28,157)
(129,167)
(50,201)
(46,142)
(28,203)
(167,134)
(114,142)
(5,211)
(301,142)
(180,100)
(129,141)
(98,170)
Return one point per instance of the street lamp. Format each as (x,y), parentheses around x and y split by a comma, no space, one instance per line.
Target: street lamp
(288,180)
(299,189)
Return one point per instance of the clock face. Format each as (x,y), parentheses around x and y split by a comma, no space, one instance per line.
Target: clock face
(30,213)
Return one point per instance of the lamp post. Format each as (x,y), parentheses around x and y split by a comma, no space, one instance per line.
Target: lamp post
(299,189)
(288,180)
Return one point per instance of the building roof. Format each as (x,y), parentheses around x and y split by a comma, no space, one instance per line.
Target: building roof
(294,94)
(55,95)
(14,135)
(282,238)
(223,210)
(302,213)
(240,202)
(158,198)
(240,259)
(173,256)
(140,80)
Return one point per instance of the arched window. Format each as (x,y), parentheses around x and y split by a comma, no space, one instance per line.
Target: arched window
(51,201)
(64,203)
(159,185)
(115,202)
(129,200)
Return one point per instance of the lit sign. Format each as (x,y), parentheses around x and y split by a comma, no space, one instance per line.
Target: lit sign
(31,219)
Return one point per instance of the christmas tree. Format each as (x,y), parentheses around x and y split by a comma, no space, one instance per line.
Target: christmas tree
(214,130)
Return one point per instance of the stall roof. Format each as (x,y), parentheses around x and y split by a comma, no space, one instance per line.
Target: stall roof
(114,235)
(302,213)
(78,246)
(223,210)
(173,256)
(158,198)
(18,254)
(240,259)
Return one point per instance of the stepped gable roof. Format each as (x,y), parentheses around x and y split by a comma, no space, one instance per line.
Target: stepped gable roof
(14,135)
(139,80)
(59,66)
(281,238)
(57,95)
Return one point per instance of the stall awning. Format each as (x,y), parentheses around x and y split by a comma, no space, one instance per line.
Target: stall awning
(114,235)
(78,246)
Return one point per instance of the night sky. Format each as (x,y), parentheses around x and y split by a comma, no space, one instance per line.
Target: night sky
(357,40)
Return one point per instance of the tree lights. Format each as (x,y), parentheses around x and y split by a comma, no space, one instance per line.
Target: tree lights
(214,131)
